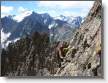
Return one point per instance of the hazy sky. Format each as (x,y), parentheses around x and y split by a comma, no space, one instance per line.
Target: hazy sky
(54,8)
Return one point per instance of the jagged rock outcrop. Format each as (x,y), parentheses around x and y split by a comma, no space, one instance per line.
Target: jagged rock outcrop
(30,56)
(26,57)
(84,55)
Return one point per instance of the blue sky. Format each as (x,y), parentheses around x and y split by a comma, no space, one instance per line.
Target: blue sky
(54,8)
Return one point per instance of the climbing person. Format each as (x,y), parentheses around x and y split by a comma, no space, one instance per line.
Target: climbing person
(61,52)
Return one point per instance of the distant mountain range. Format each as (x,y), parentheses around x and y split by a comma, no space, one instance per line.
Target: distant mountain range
(57,27)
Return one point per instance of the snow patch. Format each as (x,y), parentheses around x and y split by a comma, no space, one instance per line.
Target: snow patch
(4,36)
(21,16)
(52,25)
(6,43)
(16,39)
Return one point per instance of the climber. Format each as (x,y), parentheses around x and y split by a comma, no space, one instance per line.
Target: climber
(61,51)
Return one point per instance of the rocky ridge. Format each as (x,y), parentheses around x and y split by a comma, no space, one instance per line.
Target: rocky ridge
(84,55)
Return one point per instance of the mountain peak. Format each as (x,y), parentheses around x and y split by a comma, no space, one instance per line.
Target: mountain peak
(20,17)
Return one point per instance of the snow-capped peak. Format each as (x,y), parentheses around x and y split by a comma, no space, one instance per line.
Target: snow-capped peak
(21,16)
(61,17)
(69,19)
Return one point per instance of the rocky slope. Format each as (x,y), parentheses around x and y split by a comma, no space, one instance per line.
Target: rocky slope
(84,51)
(26,57)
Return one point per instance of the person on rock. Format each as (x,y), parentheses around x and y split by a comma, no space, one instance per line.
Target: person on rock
(61,51)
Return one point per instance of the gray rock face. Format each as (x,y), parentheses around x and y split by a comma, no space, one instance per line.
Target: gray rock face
(84,55)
